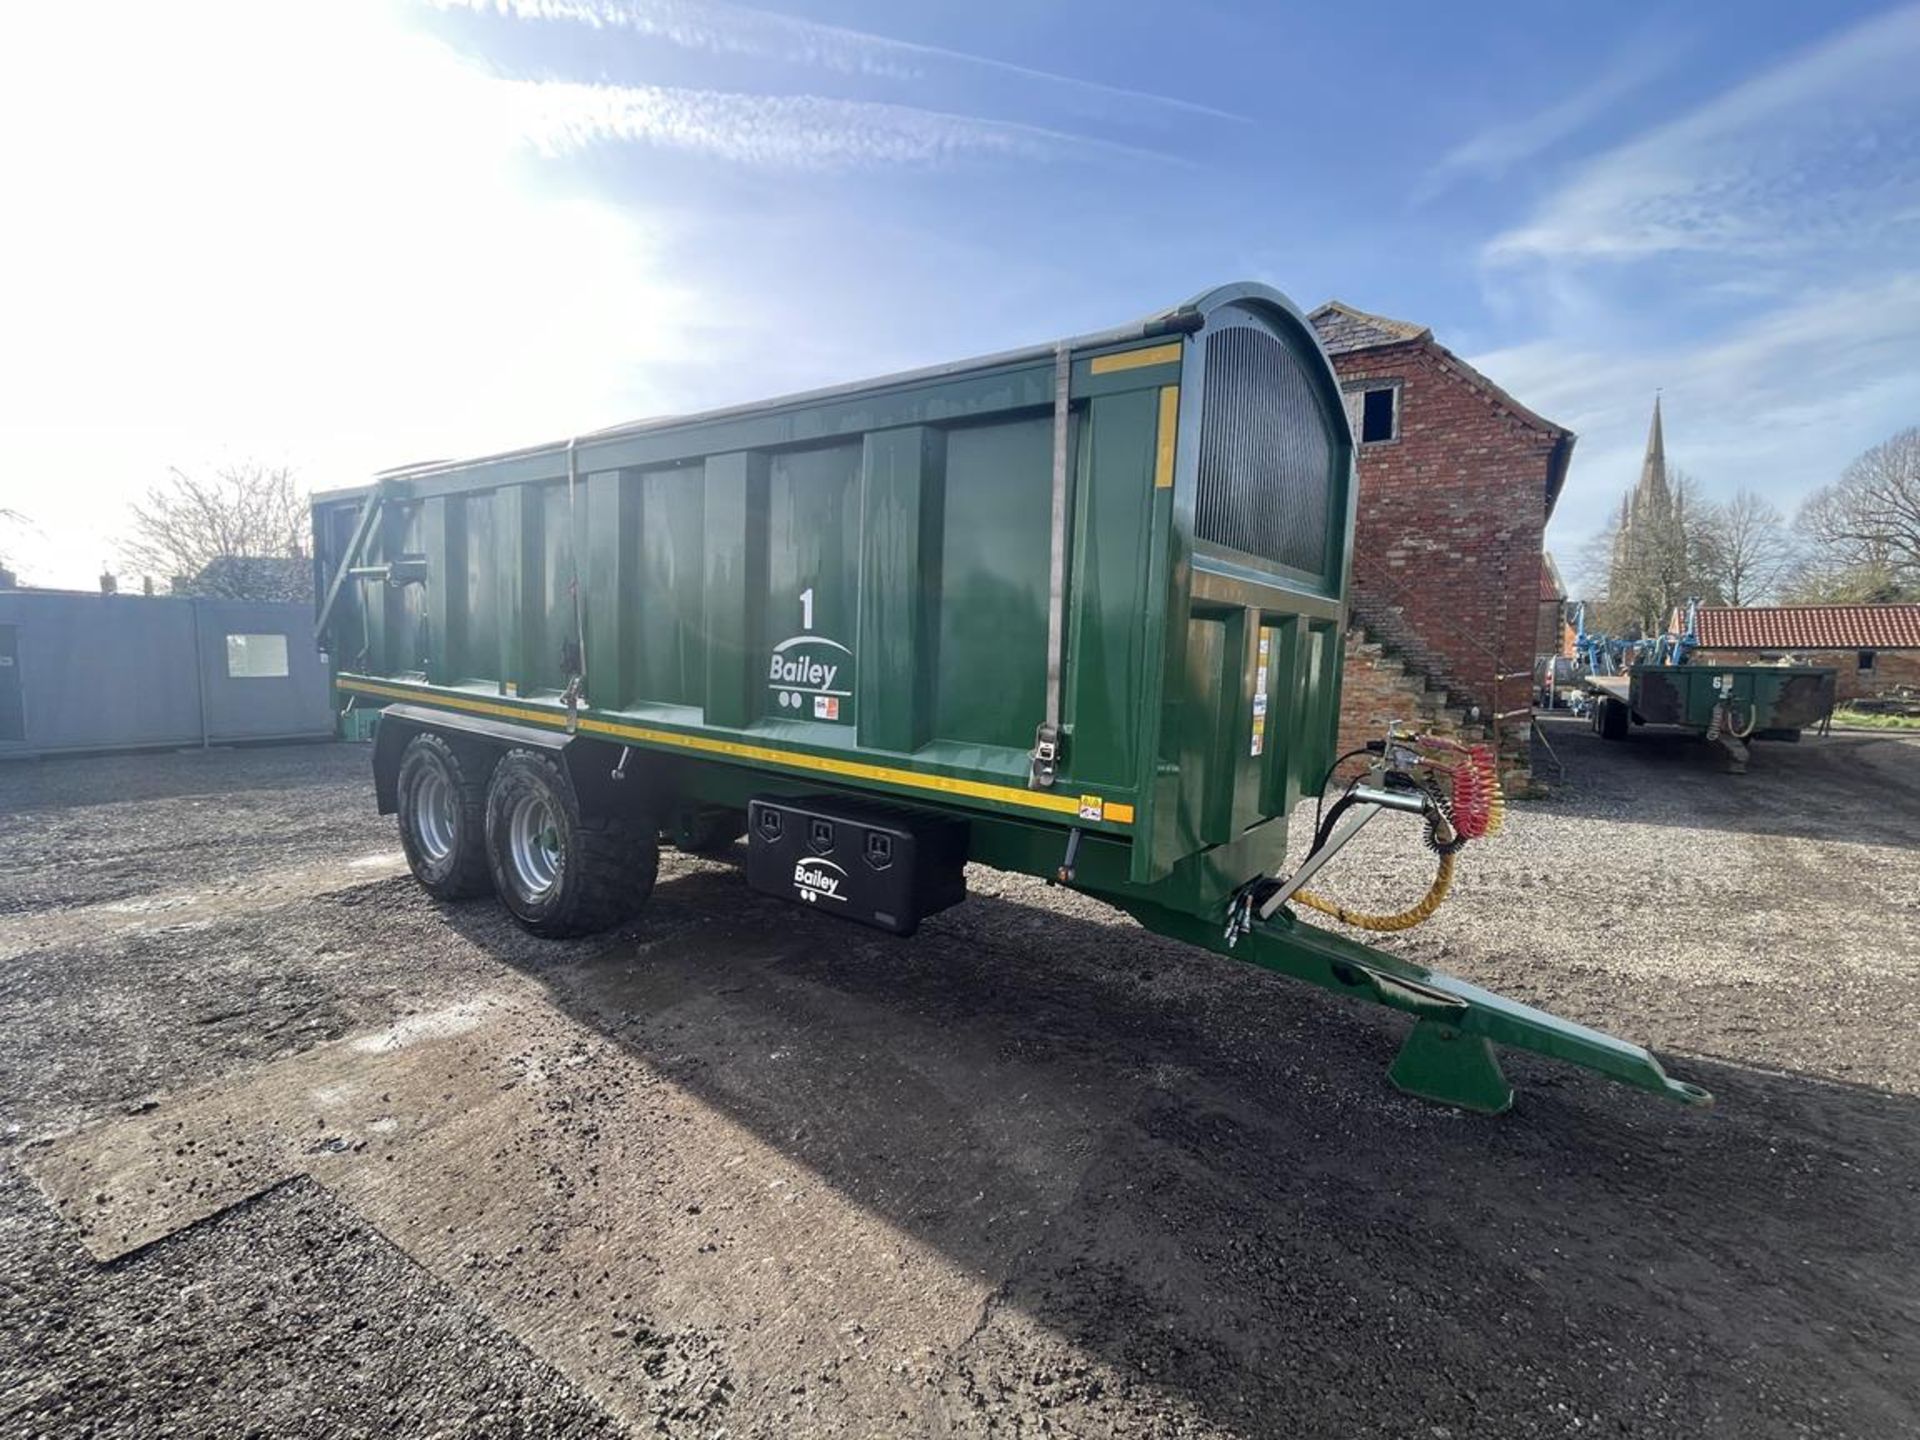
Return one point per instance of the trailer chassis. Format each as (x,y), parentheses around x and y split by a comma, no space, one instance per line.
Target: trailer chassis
(1448,1057)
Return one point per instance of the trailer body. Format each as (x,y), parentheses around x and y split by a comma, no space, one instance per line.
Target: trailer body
(853,591)
(1730,705)
(1084,601)
(1762,698)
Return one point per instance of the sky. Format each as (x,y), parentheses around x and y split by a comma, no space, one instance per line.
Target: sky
(345,235)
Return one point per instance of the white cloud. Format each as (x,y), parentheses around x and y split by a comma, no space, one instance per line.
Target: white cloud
(1798,158)
(803,132)
(301,233)
(310,234)
(721,28)
(1847,336)
(1496,150)
(1779,404)
(1758,259)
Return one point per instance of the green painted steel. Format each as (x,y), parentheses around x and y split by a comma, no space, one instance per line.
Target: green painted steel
(856,586)
(1446,1056)
(853,591)
(1761,697)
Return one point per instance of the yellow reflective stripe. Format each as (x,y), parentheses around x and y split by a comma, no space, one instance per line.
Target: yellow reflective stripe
(853,769)
(1118,813)
(1169,428)
(455,702)
(1135,359)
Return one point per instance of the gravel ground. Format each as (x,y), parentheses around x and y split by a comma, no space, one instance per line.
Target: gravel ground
(287,1149)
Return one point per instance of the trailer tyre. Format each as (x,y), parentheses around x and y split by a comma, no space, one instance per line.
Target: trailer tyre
(558,873)
(442,804)
(1611,719)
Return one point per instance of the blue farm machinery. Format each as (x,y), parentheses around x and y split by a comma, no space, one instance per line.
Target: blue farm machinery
(1660,682)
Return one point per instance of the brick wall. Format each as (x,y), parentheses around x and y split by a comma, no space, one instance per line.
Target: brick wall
(1448,539)
(1892,669)
(1376,687)
(1546,637)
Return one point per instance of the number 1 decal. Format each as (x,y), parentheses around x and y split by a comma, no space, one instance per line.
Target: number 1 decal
(810,674)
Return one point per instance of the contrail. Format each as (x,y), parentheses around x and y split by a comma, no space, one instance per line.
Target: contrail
(722,28)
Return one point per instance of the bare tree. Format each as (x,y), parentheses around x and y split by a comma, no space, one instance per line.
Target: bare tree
(1852,574)
(1741,550)
(12,525)
(1864,529)
(1651,570)
(240,533)
(1590,563)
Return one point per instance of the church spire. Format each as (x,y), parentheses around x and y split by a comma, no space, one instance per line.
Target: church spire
(1653,470)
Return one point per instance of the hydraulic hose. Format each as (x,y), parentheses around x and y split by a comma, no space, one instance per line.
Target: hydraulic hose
(1475,806)
(1724,721)
(1404,920)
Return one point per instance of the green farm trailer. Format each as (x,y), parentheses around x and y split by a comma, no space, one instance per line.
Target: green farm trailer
(1074,611)
(1728,705)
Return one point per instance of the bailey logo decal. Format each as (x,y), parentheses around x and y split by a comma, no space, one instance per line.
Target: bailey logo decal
(811,674)
(815,878)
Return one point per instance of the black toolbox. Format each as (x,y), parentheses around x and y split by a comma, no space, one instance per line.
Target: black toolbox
(879,864)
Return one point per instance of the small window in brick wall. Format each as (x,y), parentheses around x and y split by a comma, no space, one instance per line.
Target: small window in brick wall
(1374,412)
(1866,659)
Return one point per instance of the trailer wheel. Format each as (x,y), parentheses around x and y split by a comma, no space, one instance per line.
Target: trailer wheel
(1611,719)
(557,873)
(442,805)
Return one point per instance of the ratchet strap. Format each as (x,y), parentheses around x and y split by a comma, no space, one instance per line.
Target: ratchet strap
(1046,740)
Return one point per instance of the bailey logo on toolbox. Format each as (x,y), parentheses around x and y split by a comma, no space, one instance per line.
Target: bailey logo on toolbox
(864,859)
(815,878)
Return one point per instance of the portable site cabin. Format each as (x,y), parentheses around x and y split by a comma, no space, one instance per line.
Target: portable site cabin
(81,671)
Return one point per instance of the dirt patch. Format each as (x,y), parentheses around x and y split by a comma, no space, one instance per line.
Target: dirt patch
(97,829)
(740,1170)
(285,1316)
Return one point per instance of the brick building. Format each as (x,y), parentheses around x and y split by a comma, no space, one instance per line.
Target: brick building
(1554,636)
(1875,648)
(1457,482)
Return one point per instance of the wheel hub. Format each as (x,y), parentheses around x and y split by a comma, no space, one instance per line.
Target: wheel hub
(433,811)
(534,846)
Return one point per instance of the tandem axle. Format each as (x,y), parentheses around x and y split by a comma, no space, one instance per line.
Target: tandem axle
(1083,602)
(569,829)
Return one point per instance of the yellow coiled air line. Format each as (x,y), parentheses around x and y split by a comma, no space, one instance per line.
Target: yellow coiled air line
(1422,909)
(1405,920)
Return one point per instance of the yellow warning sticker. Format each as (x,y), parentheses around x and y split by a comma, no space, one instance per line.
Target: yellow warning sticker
(1092,807)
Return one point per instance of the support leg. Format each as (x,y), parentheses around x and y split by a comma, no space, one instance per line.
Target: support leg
(1445,1065)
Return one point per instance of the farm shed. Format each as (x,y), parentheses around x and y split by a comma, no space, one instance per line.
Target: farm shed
(1874,649)
(83,671)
